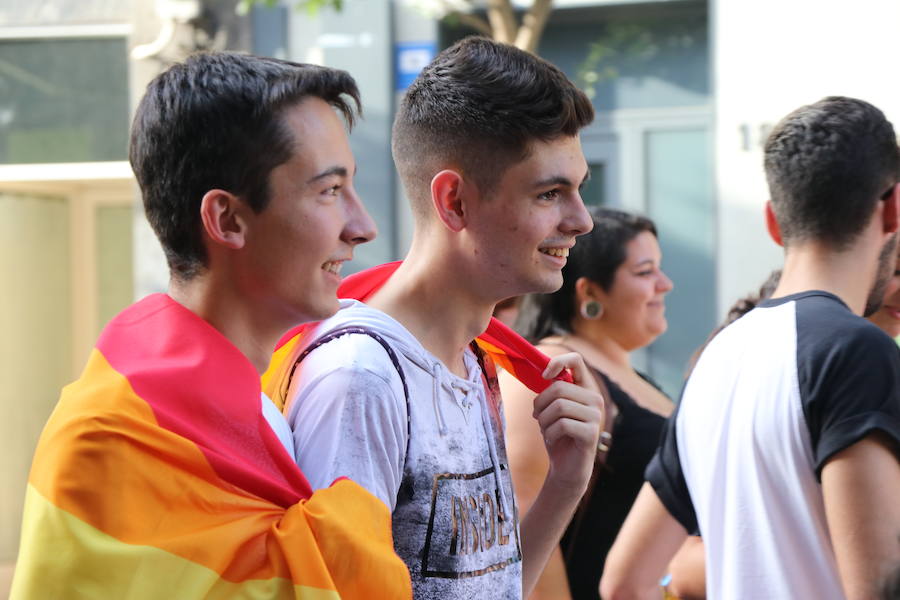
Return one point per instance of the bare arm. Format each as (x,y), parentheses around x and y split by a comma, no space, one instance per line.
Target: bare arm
(570,417)
(861,487)
(648,540)
(688,570)
(529,464)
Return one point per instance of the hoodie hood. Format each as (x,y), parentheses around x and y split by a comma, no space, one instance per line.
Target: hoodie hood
(463,392)
(359,314)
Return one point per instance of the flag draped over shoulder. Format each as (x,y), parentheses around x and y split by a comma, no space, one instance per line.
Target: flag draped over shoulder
(504,346)
(157,476)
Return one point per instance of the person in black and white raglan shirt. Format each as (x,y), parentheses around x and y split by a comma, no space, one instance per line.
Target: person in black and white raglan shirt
(783,452)
(486,144)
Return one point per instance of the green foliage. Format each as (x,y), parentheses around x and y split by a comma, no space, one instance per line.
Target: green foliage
(312,7)
(637,44)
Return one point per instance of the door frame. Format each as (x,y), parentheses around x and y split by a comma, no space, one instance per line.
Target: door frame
(618,139)
(85,187)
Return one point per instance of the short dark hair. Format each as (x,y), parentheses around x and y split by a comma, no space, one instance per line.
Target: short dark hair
(215,122)
(827,165)
(596,255)
(478,106)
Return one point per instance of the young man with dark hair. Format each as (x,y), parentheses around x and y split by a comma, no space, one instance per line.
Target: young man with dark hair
(163,472)
(486,142)
(784,450)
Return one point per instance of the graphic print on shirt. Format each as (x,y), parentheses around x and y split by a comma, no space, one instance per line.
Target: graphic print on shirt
(480,537)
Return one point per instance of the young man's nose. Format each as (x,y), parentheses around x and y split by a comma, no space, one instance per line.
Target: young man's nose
(360,227)
(579,220)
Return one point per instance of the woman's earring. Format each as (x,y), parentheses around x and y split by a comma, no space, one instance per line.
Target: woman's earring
(591,309)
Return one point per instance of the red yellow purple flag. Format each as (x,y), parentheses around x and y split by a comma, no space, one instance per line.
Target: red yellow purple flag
(157,476)
(504,346)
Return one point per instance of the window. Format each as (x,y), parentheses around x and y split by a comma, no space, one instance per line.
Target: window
(63,100)
(594,191)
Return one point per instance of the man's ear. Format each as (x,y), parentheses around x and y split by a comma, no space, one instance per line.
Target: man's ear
(447,189)
(890,214)
(222,220)
(772,224)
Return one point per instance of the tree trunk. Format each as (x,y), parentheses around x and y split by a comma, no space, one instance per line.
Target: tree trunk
(533,24)
(503,20)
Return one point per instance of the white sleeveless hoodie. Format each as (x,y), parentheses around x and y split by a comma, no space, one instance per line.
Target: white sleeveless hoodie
(439,461)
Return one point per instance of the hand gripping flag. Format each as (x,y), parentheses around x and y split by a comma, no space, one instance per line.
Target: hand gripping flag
(157,476)
(503,345)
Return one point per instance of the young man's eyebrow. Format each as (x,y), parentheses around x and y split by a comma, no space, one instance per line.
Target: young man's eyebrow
(561,180)
(339,171)
(646,261)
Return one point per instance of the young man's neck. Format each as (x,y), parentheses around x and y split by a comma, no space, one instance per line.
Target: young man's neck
(435,303)
(219,306)
(848,275)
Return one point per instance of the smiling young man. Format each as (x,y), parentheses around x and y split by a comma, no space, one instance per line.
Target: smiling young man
(486,143)
(163,472)
(783,452)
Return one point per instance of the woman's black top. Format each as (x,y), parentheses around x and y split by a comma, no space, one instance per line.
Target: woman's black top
(636,435)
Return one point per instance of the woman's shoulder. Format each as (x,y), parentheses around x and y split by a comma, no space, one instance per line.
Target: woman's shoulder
(553,346)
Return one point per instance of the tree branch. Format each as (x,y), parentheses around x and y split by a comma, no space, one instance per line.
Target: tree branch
(473,21)
(503,20)
(533,24)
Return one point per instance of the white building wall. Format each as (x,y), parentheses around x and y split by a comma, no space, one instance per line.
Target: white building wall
(770,57)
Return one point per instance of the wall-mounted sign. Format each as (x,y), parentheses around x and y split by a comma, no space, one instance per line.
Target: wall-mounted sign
(409,60)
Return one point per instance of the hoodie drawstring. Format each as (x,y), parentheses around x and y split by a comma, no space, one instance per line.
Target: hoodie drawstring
(472,386)
(492,447)
(437,378)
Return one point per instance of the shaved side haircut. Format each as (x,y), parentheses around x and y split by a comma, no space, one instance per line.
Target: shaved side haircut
(827,165)
(477,108)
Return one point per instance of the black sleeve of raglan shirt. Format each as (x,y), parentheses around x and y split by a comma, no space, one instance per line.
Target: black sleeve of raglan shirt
(848,373)
(665,475)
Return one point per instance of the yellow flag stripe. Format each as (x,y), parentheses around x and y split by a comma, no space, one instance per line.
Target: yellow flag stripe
(274,377)
(104,567)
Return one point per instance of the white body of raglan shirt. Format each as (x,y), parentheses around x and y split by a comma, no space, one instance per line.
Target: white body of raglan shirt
(771,399)
(438,462)
(278,424)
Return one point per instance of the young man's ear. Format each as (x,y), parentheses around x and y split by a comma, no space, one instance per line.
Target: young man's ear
(222,220)
(772,224)
(890,214)
(447,192)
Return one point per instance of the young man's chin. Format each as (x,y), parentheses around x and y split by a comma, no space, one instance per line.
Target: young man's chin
(548,284)
(318,311)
